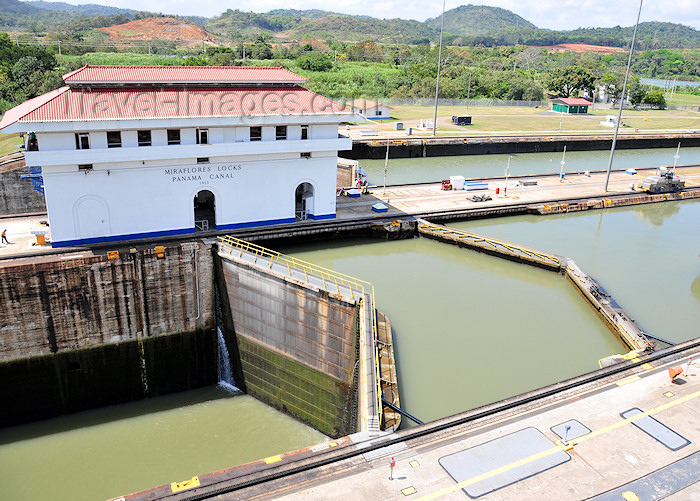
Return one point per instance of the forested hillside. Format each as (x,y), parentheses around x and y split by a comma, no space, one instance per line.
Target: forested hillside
(479,20)
(328,25)
(466,25)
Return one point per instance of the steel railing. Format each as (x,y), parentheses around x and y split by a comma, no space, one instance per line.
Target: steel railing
(493,242)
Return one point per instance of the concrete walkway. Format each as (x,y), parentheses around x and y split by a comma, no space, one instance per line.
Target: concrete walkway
(613,454)
(426,198)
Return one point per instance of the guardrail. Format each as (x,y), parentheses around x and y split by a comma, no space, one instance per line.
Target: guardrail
(342,283)
(496,244)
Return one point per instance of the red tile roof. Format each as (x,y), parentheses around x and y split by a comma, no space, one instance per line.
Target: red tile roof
(76,104)
(182,75)
(574,101)
(16,113)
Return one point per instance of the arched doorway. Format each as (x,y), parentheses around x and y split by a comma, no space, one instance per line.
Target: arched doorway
(304,201)
(204,211)
(91,218)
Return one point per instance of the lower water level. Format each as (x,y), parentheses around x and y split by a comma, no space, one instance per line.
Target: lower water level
(113,451)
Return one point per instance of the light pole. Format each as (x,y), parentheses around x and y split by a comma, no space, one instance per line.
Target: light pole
(505,189)
(622,98)
(437,83)
(386,166)
(563,162)
(676,157)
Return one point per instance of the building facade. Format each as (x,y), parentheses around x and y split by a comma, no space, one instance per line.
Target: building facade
(136,152)
(571,105)
(373,110)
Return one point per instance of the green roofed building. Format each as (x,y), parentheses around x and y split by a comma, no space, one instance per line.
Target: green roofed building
(571,105)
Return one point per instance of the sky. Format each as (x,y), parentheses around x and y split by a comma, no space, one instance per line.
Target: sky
(552,14)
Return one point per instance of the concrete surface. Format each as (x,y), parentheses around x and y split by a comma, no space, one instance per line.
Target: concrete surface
(612,455)
(426,198)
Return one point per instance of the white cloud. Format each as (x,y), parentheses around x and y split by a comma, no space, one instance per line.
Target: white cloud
(552,14)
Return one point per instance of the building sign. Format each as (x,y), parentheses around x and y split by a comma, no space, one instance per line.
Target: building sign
(202,173)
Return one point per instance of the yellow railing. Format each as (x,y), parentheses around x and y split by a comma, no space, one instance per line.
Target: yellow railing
(330,278)
(491,241)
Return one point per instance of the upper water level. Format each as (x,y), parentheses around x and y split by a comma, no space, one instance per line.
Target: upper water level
(469,328)
(647,257)
(434,169)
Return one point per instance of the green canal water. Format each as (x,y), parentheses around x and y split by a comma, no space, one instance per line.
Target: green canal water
(113,451)
(647,257)
(434,169)
(469,329)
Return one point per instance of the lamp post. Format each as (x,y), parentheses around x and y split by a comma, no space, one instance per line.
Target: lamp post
(563,162)
(676,157)
(505,189)
(622,98)
(386,166)
(437,83)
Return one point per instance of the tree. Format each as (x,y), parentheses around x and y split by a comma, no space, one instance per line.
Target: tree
(530,58)
(314,61)
(261,49)
(614,81)
(655,98)
(568,80)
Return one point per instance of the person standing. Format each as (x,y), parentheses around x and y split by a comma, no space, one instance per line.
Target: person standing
(4,236)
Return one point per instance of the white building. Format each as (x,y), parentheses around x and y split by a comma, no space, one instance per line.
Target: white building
(135,152)
(370,109)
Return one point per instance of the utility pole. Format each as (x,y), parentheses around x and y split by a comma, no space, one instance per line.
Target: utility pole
(622,98)
(386,166)
(437,83)
(469,88)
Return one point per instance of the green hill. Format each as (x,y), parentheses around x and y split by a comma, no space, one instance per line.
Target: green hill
(292,24)
(464,25)
(650,35)
(89,9)
(479,20)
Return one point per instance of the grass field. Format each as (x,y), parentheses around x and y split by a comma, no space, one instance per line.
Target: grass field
(682,99)
(8,143)
(506,120)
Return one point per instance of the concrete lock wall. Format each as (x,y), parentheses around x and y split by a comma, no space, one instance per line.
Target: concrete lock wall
(69,381)
(16,194)
(298,346)
(73,301)
(80,331)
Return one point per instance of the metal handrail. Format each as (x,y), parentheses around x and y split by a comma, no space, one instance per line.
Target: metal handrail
(328,276)
(496,243)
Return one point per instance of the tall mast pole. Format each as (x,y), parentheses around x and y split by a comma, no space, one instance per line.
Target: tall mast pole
(622,98)
(437,84)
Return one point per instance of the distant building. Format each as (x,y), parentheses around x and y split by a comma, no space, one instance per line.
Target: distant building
(370,109)
(133,152)
(571,105)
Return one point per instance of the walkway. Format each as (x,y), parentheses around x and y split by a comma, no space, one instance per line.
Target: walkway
(604,450)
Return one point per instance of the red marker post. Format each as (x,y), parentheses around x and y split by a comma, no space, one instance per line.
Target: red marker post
(392,464)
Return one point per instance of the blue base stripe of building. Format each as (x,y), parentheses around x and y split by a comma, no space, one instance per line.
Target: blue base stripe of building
(183,231)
